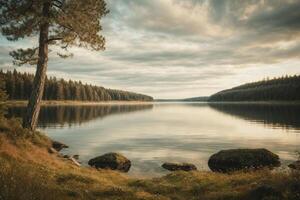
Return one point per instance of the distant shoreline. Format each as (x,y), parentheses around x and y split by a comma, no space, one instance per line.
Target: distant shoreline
(79,103)
(97,103)
(254,102)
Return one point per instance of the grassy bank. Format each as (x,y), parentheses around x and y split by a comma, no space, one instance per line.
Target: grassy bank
(79,103)
(25,161)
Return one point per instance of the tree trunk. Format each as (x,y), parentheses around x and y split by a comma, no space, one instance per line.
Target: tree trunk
(33,107)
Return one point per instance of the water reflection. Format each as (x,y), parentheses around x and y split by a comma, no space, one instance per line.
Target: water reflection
(59,116)
(171,132)
(273,115)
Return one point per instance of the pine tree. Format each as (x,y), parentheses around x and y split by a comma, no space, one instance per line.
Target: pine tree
(65,23)
(59,90)
(3,97)
(19,85)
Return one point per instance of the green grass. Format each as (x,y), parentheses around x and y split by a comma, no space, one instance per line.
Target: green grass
(28,171)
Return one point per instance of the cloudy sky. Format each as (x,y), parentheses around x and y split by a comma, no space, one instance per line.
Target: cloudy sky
(184,48)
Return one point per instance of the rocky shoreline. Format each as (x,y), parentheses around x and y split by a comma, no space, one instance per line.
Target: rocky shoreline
(224,161)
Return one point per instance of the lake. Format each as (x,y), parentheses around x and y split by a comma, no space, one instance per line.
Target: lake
(165,132)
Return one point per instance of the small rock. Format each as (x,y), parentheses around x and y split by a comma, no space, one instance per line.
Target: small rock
(60,155)
(75,157)
(75,161)
(114,161)
(179,166)
(66,156)
(295,165)
(238,159)
(58,146)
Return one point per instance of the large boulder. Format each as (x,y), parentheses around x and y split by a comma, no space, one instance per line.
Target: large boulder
(238,159)
(295,165)
(179,166)
(114,161)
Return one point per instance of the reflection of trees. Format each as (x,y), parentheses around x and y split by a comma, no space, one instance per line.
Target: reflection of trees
(286,116)
(61,115)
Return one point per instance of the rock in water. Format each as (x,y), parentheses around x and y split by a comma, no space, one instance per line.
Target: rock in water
(238,159)
(179,166)
(295,165)
(114,161)
(66,156)
(58,145)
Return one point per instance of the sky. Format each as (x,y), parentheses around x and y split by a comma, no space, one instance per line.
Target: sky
(183,48)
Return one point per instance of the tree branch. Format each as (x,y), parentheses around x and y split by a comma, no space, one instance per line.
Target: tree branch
(58,4)
(25,56)
(54,39)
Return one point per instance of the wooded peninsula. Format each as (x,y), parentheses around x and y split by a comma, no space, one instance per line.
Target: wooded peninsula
(19,86)
(284,88)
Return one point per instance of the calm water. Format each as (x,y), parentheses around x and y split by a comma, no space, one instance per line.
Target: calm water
(182,132)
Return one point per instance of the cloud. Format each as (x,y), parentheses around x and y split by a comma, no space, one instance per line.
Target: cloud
(179,48)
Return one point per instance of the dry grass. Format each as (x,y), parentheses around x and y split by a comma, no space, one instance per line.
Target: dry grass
(208,185)
(28,171)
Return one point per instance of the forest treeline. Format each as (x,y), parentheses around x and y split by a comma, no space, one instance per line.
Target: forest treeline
(284,88)
(19,85)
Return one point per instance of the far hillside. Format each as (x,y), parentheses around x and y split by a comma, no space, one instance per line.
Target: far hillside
(193,99)
(196,99)
(19,85)
(277,89)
